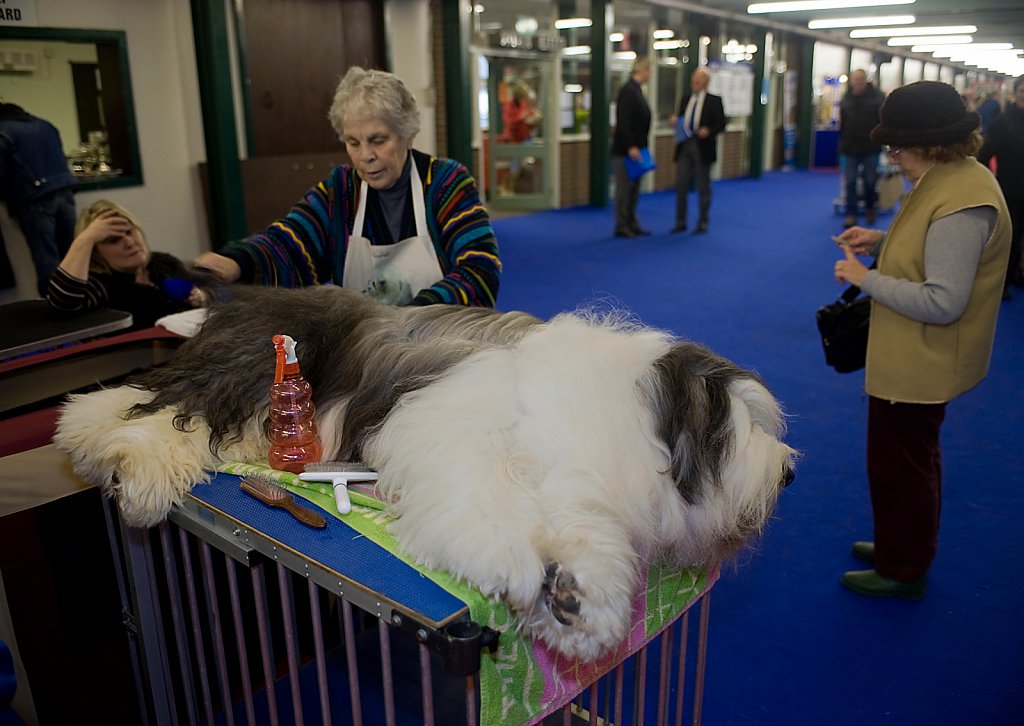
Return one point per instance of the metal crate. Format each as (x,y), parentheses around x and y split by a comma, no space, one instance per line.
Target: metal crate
(232,625)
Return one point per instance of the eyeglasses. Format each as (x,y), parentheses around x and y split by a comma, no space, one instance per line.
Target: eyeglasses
(892,150)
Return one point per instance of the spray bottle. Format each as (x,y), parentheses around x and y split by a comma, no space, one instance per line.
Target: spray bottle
(294,439)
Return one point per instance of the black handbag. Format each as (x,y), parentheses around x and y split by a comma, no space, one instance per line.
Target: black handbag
(844,330)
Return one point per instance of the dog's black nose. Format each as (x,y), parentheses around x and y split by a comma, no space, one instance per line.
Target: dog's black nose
(788,476)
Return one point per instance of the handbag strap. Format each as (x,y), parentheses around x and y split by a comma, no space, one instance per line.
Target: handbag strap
(850,294)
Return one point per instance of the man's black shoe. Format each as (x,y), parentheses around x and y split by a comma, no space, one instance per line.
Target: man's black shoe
(625,233)
(678,228)
(641,232)
(701,228)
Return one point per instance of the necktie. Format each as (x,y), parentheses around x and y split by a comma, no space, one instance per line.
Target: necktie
(691,122)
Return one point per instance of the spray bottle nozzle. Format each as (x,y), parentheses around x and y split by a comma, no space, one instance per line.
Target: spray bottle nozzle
(284,347)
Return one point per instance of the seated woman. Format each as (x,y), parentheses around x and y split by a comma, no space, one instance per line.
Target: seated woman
(403,226)
(109,265)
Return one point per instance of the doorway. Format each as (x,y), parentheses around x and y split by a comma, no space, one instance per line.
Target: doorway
(517,116)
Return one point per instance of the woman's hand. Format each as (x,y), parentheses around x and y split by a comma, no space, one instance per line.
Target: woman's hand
(850,270)
(224,268)
(860,240)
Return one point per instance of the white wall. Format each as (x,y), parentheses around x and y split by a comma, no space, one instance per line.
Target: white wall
(410,57)
(161,55)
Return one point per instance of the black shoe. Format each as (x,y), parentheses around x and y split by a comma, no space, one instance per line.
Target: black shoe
(641,232)
(678,228)
(625,233)
(870,583)
(864,551)
(701,228)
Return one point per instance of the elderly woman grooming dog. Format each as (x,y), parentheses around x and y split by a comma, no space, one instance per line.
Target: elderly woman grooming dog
(935,299)
(398,224)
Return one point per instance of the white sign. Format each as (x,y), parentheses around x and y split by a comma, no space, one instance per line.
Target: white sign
(18,12)
(734,82)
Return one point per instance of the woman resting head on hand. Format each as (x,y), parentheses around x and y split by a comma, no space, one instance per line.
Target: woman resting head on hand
(109,264)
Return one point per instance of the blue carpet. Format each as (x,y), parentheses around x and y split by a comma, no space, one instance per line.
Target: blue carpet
(788,644)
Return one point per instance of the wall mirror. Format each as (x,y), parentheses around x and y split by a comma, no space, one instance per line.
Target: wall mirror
(79,81)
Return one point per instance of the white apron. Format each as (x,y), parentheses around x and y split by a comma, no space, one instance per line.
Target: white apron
(394,273)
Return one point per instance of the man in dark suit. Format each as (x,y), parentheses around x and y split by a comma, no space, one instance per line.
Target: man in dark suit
(701,118)
(632,125)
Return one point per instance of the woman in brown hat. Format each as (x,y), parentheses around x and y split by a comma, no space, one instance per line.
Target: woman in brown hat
(936,294)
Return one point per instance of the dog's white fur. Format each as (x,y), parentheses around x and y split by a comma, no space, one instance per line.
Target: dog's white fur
(534,471)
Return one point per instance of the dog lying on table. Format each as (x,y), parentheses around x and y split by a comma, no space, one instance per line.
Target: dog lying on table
(543,462)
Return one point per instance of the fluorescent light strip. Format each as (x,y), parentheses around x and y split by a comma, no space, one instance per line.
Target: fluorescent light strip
(663,34)
(796,6)
(934,30)
(945,47)
(931,40)
(576,50)
(824,23)
(566,23)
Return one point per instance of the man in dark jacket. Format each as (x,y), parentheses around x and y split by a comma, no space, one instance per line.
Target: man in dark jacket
(701,118)
(858,114)
(38,187)
(632,125)
(1005,142)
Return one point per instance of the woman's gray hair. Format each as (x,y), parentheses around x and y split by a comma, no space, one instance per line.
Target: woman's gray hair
(371,94)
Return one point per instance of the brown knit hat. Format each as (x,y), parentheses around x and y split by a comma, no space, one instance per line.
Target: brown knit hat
(926,113)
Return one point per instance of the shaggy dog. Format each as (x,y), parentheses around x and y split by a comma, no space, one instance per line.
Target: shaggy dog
(543,462)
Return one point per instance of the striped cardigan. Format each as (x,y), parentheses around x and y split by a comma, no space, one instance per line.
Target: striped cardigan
(308,245)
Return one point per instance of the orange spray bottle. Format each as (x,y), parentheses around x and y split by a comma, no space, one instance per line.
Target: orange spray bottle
(294,439)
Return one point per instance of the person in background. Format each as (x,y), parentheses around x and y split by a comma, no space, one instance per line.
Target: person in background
(701,118)
(858,115)
(1005,143)
(519,114)
(520,117)
(398,224)
(632,126)
(38,187)
(989,109)
(935,299)
(109,264)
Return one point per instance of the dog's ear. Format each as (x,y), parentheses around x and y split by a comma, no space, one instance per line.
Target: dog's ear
(690,397)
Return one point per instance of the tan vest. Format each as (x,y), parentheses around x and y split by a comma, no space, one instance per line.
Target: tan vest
(915,362)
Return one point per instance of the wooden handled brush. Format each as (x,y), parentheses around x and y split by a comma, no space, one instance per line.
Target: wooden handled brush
(273,495)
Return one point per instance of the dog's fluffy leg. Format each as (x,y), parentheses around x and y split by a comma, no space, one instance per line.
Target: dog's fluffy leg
(590,568)
(466,500)
(145,462)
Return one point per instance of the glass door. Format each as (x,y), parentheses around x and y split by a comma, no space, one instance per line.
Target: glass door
(518,119)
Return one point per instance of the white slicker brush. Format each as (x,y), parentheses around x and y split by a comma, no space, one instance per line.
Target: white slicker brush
(339,474)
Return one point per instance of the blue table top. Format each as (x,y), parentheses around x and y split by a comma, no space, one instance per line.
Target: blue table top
(337,547)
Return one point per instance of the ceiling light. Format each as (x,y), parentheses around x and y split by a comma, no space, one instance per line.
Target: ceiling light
(943,50)
(616,37)
(576,50)
(627,55)
(566,23)
(934,30)
(573,88)
(667,44)
(821,24)
(796,6)
(663,34)
(931,39)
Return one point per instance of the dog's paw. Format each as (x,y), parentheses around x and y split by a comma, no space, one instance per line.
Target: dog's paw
(561,594)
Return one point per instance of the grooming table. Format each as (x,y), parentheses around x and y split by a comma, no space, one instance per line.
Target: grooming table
(353,561)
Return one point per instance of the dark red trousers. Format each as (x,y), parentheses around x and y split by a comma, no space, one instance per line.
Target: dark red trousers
(905,474)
